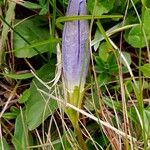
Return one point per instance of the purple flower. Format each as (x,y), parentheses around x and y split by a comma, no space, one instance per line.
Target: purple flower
(75,51)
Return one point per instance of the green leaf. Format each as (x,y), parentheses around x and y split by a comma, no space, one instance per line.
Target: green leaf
(100,64)
(14,112)
(9,115)
(147,121)
(44,9)
(146,21)
(127,57)
(39,44)
(3,144)
(119,6)
(145,69)
(106,69)
(25,96)
(18,76)
(103,51)
(97,39)
(39,106)
(132,113)
(34,30)
(103,78)
(136,37)
(68,134)
(2,2)
(22,138)
(30,5)
(112,64)
(113,104)
(146,3)
(102,6)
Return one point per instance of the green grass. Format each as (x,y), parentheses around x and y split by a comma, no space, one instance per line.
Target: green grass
(115,111)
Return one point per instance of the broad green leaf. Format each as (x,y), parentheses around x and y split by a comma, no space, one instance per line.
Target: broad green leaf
(119,6)
(25,96)
(146,21)
(145,69)
(39,44)
(34,30)
(112,64)
(136,37)
(146,3)
(3,144)
(103,51)
(18,76)
(100,64)
(106,69)
(102,6)
(22,138)
(103,79)
(30,5)
(39,106)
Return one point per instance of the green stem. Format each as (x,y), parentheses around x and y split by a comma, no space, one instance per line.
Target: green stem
(73,117)
(75,99)
(80,137)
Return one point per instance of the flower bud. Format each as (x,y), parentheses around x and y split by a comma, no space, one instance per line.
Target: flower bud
(75,48)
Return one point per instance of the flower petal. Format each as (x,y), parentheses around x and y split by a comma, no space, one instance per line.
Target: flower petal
(75,51)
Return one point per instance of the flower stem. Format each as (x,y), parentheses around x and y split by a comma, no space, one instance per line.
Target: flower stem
(75,99)
(80,137)
(74,116)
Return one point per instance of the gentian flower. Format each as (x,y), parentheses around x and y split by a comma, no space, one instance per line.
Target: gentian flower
(75,59)
(75,51)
